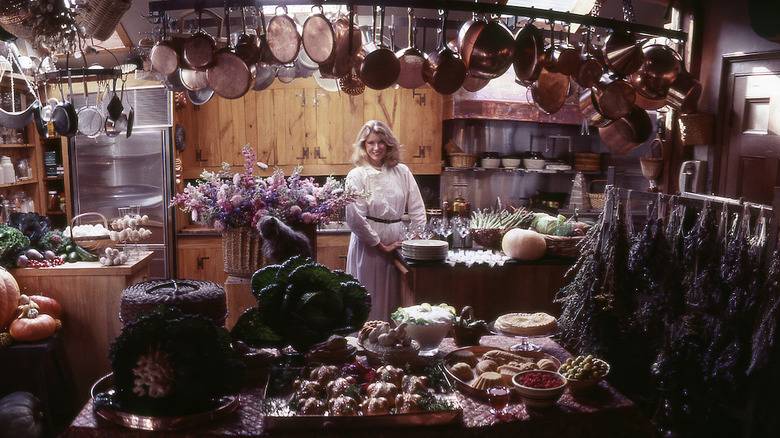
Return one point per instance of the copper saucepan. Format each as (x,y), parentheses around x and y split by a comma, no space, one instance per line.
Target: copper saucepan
(411,59)
(529,46)
(347,46)
(550,90)
(199,50)
(660,68)
(444,70)
(376,64)
(247,45)
(628,132)
(684,93)
(590,69)
(589,108)
(569,58)
(230,77)
(164,56)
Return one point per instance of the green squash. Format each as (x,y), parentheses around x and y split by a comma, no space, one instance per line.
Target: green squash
(20,416)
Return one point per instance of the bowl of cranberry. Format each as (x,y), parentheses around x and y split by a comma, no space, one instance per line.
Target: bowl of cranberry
(539,388)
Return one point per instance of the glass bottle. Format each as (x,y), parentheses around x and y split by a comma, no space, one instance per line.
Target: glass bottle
(54,201)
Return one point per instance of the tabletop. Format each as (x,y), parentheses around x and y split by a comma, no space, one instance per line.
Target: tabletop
(605,412)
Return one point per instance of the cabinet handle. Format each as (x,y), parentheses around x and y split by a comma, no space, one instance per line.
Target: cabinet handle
(316,99)
(421,153)
(420,96)
(200,262)
(305,153)
(343,257)
(199,155)
(317,154)
(303,98)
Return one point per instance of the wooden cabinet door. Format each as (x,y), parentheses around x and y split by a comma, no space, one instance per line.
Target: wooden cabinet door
(332,250)
(200,258)
(420,127)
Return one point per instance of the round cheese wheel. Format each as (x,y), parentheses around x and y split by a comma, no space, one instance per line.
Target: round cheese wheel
(523,244)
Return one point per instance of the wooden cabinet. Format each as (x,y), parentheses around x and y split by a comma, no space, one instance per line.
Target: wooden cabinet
(300,124)
(332,250)
(59,183)
(200,258)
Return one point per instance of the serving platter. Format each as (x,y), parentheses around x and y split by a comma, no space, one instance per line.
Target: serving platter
(467,388)
(105,386)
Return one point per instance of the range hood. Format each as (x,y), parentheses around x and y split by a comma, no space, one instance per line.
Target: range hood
(504,99)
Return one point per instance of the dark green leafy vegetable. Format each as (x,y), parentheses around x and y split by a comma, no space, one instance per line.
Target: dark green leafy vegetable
(301,303)
(12,244)
(33,225)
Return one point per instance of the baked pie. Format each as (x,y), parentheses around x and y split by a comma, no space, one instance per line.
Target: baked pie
(526,324)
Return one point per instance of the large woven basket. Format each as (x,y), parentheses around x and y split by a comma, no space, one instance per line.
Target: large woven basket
(91,243)
(563,246)
(101,17)
(696,129)
(463,160)
(241,250)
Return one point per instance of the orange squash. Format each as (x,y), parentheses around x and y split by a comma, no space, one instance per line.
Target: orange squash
(47,305)
(9,298)
(32,327)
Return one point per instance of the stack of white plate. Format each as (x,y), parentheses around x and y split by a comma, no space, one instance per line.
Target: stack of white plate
(424,249)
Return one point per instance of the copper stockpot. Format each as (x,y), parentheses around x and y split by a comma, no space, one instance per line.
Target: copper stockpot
(200,49)
(487,49)
(659,69)
(628,132)
(376,64)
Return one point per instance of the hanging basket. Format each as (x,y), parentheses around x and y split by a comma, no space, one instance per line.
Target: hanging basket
(696,129)
(597,200)
(652,166)
(101,17)
(241,250)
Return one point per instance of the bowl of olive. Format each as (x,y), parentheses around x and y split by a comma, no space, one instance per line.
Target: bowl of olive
(584,373)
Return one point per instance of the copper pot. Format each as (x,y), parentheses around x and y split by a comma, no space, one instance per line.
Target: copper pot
(230,77)
(444,70)
(590,69)
(248,45)
(550,90)
(529,46)
(487,49)
(347,46)
(164,56)
(377,65)
(569,58)
(318,36)
(411,59)
(200,49)
(590,111)
(660,68)
(684,93)
(615,96)
(628,132)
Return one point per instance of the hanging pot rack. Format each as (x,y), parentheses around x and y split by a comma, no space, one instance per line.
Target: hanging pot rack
(157,8)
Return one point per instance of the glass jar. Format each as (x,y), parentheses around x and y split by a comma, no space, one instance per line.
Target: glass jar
(53,203)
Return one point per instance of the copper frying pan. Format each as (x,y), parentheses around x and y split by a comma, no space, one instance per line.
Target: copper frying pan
(444,70)
(412,60)
(529,46)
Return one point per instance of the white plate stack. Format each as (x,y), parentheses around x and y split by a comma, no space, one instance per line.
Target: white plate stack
(424,249)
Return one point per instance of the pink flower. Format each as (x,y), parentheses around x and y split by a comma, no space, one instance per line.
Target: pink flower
(307,217)
(235,200)
(295,210)
(219,225)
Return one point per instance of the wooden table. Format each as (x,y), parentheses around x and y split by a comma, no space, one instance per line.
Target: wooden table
(89,294)
(606,413)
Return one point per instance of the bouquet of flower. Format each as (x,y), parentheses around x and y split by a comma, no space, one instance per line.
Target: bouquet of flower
(225,200)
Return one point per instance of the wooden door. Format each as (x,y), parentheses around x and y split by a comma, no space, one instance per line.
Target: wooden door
(751,133)
(420,127)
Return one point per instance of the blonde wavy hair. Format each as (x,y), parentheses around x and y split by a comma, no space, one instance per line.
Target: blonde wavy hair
(393,154)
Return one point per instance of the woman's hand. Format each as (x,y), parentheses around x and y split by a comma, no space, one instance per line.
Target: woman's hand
(389,248)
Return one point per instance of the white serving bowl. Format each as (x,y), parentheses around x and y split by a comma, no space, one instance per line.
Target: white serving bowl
(429,336)
(490,163)
(534,163)
(539,397)
(511,163)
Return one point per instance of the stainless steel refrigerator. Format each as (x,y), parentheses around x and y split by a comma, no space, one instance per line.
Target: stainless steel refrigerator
(113,172)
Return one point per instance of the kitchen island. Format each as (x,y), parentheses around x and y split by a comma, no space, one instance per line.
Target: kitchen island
(517,286)
(89,294)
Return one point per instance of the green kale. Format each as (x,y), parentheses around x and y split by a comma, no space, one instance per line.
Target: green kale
(12,243)
(301,303)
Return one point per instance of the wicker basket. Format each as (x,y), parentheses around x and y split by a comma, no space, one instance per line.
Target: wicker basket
(652,166)
(489,238)
(562,246)
(696,129)
(587,161)
(463,160)
(92,243)
(101,17)
(597,200)
(241,250)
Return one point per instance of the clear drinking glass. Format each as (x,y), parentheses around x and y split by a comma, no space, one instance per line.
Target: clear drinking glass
(498,398)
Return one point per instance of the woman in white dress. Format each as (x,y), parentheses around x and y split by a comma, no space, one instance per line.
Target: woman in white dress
(375,220)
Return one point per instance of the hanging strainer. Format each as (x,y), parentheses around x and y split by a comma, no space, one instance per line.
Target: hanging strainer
(352,85)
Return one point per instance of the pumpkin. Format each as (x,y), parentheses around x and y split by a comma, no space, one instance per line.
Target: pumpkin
(32,326)
(9,298)
(523,244)
(20,415)
(47,305)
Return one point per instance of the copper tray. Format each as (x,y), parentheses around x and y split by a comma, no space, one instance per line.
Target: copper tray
(106,384)
(479,350)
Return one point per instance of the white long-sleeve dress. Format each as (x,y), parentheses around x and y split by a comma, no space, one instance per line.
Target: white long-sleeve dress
(392,191)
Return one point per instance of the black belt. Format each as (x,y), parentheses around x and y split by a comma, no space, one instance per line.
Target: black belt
(383,221)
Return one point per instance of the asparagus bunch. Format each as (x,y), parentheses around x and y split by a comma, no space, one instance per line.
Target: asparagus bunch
(490,218)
